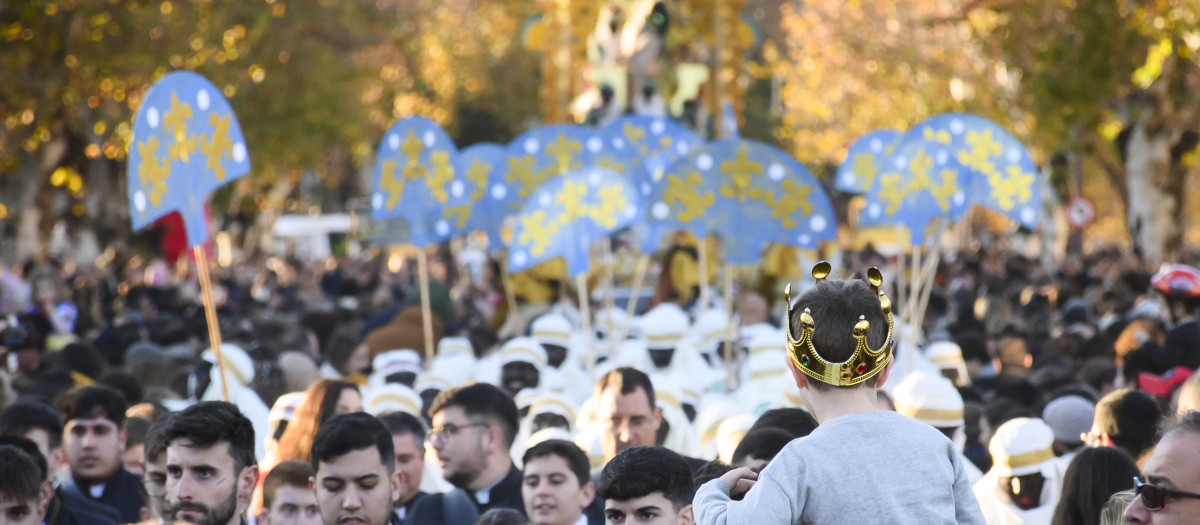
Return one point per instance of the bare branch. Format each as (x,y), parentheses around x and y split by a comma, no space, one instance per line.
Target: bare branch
(1114,170)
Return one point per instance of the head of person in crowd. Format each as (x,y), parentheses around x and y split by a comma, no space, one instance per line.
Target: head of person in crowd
(502,517)
(663,328)
(323,400)
(346,352)
(154,479)
(974,353)
(299,370)
(93,432)
(759,447)
(1095,474)
(553,331)
(288,497)
(1024,468)
(24,491)
(134,458)
(1187,398)
(354,478)
(649,485)
(38,422)
(626,411)
(473,430)
(1070,417)
(1012,358)
(211,468)
(710,471)
(556,485)
(521,363)
(795,421)
(408,445)
(1127,419)
(1168,491)
(933,400)
(825,320)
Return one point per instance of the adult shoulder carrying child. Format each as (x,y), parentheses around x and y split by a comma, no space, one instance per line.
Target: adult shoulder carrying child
(861,465)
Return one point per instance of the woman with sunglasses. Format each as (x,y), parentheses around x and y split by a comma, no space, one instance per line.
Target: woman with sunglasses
(1168,491)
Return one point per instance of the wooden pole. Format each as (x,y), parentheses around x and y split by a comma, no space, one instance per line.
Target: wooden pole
(639,275)
(901,277)
(210,315)
(506,280)
(731,351)
(702,253)
(585,314)
(609,301)
(426,310)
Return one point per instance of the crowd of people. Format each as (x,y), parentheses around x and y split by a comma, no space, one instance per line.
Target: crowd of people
(1026,394)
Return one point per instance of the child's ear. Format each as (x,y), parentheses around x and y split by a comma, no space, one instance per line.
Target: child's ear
(883,374)
(686,516)
(799,377)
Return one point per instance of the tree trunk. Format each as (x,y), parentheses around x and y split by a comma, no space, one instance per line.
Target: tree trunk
(1155,199)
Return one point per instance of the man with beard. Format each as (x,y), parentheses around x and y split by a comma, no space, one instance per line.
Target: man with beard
(93,437)
(521,362)
(627,415)
(211,469)
(355,475)
(473,431)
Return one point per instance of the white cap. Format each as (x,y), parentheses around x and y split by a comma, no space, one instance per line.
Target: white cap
(392,397)
(550,403)
(611,316)
(546,434)
(394,362)
(526,397)
(730,434)
(523,350)
(551,329)
(452,346)
(767,340)
(664,326)
(1022,446)
(930,399)
(944,354)
(710,327)
(765,364)
(431,380)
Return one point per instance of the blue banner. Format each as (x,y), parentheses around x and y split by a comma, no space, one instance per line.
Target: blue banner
(864,161)
(486,163)
(920,181)
(414,170)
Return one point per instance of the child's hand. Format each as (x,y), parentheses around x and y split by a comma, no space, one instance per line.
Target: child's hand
(739,480)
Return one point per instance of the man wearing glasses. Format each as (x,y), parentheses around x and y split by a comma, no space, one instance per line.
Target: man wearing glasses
(473,430)
(1169,490)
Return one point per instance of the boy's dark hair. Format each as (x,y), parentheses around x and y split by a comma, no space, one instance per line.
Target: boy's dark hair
(125,383)
(626,380)
(641,471)
(403,423)
(502,516)
(795,421)
(835,306)
(763,443)
(574,456)
(23,416)
(1131,419)
(208,422)
(136,432)
(93,402)
(156,440)
(482,400)
(710,471)
(346,433)
(21,480)
(293,473)
(29,447)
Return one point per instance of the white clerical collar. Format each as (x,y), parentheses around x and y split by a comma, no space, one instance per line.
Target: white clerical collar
(582,520)
(97,490)
(484,496)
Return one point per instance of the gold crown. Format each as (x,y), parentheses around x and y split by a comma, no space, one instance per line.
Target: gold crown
(863,364)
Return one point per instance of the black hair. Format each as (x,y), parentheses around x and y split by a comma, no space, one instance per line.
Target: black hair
(341,345)
(23,416)
(21,480)
(835,306)
(796,421)
(1131,419)
(574,456)
(125,383)
(626,380)
(82,358)
(156,440)
(136,431)
(482,399)
(710,471)
(346,433)
(402,423)
(29,447)
(763,443)
(1095,474)
(208,422)
(92,402)
(502,516)
(641,471)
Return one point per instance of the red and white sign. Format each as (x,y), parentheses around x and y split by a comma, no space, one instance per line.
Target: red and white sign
(1081,212)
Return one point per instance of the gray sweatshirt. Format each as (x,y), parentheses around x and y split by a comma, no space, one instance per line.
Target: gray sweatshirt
(879,467)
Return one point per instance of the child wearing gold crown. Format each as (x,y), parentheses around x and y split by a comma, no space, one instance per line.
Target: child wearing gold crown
(861,465)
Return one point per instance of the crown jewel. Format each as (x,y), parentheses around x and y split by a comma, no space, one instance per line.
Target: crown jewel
(863,364)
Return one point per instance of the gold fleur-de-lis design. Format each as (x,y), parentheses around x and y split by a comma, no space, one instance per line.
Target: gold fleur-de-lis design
(741,172)
(794,199)
(919,168)
(412,147)
(944,191)
(633,133)
(1011,189)
(520,173)
(687,194)
(940,136)
(537,231)
(390,183)
(981,147)
(175,122)
(563,150)
(218,145)
(571,199)
(153,173)
(477,174)
(864,169)
(442,174)
(892,192)
(607,212)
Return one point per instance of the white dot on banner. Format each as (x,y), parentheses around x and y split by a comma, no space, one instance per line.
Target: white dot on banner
(499,191)
(957,126)
(849,177)
(152,118)
(202,99)
(941,157)
(456,188)
(594,144)
(704,162)
(544,200)
(876,145)
(442,227)
(593,179)
(873,210)
(901,162)
(618,143)
(657,127)
(1028,215)
(682,147)
(818,223)
(139,200)
(775,172)
(519,258)
(660,210)
(1013,155)
(429,138)
(959,198)
(394,141)
(531,146)
(377,201)
(630,211)
(239,153)
(804,239)
(646,188)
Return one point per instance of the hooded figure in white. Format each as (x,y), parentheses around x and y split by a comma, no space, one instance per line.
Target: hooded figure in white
(1024,483)
(240,370)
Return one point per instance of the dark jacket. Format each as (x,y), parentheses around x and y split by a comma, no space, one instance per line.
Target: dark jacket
(122,492)
(72,509)
(460,507)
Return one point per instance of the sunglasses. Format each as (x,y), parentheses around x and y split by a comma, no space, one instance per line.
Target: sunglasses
(1155,497)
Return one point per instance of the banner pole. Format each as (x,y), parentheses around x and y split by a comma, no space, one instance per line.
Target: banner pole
(210,315)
